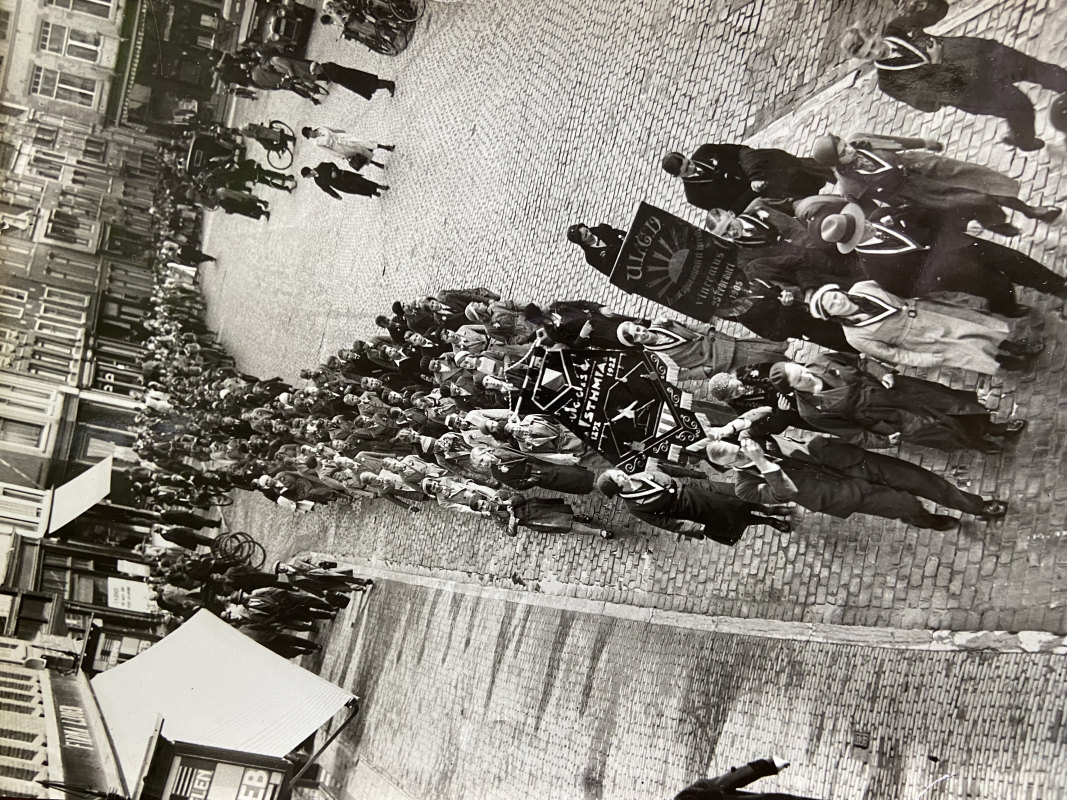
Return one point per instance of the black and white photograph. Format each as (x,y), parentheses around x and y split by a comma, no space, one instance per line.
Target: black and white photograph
(485,399)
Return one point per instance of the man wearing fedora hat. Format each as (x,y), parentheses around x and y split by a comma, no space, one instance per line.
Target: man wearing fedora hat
(911,256)
(880,169)
(873,408)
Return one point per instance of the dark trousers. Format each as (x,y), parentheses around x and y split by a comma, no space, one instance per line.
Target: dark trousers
(894,473)
(365,84)
(989,270)
(998,96)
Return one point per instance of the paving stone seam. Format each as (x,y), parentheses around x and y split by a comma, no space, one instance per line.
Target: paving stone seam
(823,633)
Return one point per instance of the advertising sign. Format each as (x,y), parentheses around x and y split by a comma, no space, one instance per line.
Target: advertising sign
(130,595)
(77,740)
(678,265)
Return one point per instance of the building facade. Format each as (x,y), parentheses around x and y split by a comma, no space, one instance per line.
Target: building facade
(75,225)
(52,728)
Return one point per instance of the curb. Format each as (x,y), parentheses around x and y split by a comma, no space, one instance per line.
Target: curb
(813,632)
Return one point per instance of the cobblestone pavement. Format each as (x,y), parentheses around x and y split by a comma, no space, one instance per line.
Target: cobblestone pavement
(477,697)
(515,119)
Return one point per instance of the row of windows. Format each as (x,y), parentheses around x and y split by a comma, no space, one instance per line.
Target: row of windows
(69,42)
(96,8)
(64,86)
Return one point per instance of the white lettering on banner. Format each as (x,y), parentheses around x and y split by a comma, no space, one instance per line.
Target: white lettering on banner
(254,785)
(75,729)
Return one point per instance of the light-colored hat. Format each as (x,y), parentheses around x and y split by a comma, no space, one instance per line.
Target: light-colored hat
(846,229)
(815,302)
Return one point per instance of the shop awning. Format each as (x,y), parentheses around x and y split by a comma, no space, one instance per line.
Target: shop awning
(79,494)
(213,686)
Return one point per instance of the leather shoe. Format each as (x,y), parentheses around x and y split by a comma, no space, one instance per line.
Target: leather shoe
(1014,427)
(783,525)
(992,509)
(943,522)
(1046,213)
(1003,229)
(1027,145)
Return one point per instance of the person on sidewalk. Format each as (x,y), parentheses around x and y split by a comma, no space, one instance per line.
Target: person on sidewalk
(358,152)
(801,477)
(708,511)
(839,395)
(332,179)
(729,785)
(974,75)
(877,169)
(542,514)
(188,519)
(731,176)
(182,536)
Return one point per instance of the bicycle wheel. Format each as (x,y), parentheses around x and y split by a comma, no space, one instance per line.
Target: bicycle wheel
(257,556)
(282,157)
(408,10)
(225,546)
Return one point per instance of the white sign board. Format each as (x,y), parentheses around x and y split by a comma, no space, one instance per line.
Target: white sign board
(77,496)
(130,595)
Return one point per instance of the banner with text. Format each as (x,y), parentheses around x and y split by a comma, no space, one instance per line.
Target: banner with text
(678,265)
(618,401)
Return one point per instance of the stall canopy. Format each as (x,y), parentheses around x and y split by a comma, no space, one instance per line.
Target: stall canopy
(77,496)
(212,686)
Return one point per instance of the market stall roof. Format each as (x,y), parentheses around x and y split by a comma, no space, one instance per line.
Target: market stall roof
(213,686)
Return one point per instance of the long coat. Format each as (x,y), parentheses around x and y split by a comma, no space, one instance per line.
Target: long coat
(925,180)
(925,333)
(342,143)
(332,179)
(854,405)
(975,75)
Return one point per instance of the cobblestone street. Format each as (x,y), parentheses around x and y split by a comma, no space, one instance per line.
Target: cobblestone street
(512,121)
(500,160)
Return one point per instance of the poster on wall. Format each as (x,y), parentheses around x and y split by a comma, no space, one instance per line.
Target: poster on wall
(130,595)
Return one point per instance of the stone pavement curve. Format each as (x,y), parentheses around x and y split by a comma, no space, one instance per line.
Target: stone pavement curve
(468,693)
(513,120)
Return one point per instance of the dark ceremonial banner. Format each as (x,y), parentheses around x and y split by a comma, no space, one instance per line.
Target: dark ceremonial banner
(678,265)
(617,401)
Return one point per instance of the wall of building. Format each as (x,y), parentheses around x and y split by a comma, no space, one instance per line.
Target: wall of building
(23,740)
(63,55)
